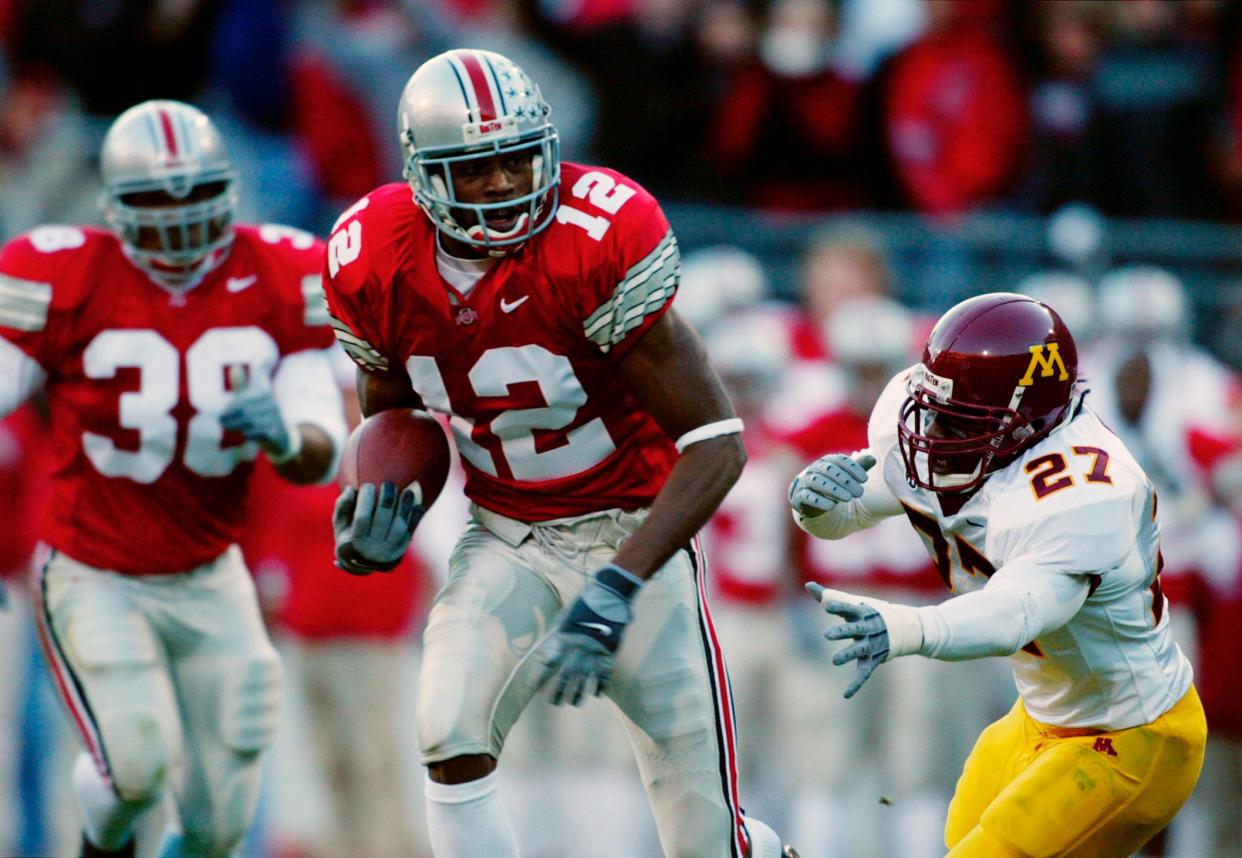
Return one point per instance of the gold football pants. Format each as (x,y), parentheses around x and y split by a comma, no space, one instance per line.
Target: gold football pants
(1029,790)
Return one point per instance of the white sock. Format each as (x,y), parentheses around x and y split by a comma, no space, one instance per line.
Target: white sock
(919,832)
(469,820)
(108,821)
(764,843)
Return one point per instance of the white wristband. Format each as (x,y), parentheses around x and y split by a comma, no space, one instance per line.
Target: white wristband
(707,431)
(905,626)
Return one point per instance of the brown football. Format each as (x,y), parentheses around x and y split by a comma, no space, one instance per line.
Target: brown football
(402,445)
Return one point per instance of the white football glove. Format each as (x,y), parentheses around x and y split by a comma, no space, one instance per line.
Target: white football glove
(828,481)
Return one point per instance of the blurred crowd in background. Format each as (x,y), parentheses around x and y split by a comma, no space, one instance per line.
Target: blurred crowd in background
(838,174)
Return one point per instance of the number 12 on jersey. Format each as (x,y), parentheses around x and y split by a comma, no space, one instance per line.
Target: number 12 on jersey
(602,191)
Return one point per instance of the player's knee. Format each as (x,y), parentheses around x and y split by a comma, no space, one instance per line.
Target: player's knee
(137,754)
(250,709)
(441,725)
(462,769)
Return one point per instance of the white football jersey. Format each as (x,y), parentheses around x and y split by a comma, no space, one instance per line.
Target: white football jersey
(1075,504)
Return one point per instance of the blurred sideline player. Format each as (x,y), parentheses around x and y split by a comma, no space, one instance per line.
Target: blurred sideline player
(1162,395)
(1212,823)
(1046,526)
(907,737)
(1158,391)
(529,299)
(845,262)
(348,656)
(171,352)
(747,542)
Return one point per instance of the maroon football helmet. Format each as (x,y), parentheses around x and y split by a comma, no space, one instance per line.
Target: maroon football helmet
(997,375)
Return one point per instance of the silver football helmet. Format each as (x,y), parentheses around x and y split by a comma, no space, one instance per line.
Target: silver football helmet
(169,191)
(1142,303)
(464,105)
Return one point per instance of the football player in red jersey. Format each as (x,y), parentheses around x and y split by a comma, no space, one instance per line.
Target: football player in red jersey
(530,299)
(172,350)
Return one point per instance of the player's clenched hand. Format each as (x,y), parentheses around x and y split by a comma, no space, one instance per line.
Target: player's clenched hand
(828,481)
(580,653)
(254,413)
(373,527)
(864,625)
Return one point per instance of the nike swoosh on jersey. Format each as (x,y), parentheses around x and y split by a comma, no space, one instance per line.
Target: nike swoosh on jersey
(599,627)
(238,284)
(506,307)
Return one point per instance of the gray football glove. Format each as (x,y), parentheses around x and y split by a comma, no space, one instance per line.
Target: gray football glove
(373,527)
(581,651)
(828,481)
(864,625)
(255,414)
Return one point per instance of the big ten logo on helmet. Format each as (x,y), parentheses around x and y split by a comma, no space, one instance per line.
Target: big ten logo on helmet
(1047,358)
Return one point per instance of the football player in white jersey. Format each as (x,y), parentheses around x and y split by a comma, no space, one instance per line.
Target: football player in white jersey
(1044,526)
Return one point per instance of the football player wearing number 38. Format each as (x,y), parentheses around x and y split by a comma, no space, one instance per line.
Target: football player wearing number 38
(172,351)
(1038,516)
(531,300)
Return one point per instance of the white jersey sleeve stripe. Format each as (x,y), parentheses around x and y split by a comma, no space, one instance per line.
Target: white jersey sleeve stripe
(362,352)
(20,376)
(637,277)
(24,303)
(646,288)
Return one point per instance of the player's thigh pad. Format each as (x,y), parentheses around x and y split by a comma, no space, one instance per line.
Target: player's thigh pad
(478,667)
(105,661)
(1101,794)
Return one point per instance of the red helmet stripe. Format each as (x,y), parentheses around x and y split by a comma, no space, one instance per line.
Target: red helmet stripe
(170,136)
(479,83)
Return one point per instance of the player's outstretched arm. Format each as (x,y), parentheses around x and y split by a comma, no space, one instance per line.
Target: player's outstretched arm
(880,631)
(669,372)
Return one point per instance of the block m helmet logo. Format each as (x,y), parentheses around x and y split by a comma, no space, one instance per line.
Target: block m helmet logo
(1047,359)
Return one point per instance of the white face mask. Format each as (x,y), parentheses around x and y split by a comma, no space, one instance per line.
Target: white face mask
(793,51)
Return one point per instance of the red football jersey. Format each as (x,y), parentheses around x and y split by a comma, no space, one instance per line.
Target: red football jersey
(526,363)
(144,478)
